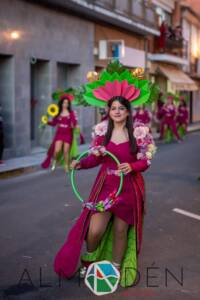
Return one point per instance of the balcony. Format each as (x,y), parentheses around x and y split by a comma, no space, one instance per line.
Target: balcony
(170,47)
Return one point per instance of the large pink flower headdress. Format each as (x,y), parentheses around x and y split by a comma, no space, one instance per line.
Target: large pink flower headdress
(117,88)
(117,81)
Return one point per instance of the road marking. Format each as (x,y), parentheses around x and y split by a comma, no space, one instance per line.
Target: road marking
(26,256)
(187,213)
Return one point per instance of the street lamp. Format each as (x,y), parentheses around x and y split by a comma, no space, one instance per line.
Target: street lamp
(15,35)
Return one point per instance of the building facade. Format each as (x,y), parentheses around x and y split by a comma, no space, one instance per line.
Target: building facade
(51,44)
(170,56)
(41,49)
(191,33)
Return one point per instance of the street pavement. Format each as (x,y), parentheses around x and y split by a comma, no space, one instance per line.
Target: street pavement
(38,209)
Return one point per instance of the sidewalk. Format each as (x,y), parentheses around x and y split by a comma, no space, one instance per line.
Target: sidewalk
(26,164)
(19,165)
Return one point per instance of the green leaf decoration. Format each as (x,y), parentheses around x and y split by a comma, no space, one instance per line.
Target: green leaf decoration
(155,91)
(77,92)
(59,92)
(115,66)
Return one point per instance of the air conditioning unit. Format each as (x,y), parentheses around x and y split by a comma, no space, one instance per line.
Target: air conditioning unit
(109,49)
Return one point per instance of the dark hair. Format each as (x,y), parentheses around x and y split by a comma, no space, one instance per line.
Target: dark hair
(129,123)
(60,104)
(183,103)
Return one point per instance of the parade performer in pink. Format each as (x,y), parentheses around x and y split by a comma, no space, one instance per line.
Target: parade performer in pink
(168,120)
(182,116)
(159,108)
(65,122)
(114,233)
(142,115)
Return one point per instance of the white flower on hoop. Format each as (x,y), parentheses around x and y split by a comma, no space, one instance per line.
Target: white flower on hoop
(141,132)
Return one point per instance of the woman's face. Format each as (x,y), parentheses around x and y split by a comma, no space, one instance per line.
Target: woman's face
(118,112)
(169,100)
(65,104)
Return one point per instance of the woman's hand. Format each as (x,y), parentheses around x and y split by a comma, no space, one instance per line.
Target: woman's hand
(125,168)
(75,164)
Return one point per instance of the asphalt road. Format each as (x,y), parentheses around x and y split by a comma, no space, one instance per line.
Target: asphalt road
(37,210)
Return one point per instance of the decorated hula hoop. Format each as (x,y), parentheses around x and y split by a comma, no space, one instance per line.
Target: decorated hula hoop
(73,174)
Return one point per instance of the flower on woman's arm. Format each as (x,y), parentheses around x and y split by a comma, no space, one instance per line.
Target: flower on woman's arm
(152,148)
(101,128)
(145,143)
(140,132)
(98,133)
(98,150)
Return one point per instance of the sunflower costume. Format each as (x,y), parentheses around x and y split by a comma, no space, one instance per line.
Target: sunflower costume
(67,131)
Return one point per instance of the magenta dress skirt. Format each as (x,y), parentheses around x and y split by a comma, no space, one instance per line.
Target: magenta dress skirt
(64,131)
(125,209)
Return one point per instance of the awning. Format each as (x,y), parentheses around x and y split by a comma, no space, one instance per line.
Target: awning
(179,80)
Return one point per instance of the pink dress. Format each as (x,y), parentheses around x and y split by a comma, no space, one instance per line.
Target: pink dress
(125,208)
(63,133)
(168,120)
(142,117)
(182,117)
(64,127)
(131,206)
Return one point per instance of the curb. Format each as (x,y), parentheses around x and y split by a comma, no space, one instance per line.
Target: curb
(21,170)
(18,171)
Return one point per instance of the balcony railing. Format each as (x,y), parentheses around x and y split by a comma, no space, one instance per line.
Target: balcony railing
(171,41)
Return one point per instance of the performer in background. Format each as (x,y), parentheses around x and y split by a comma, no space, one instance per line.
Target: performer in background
(65,122)
(142,115)
(182,116)
(168,120)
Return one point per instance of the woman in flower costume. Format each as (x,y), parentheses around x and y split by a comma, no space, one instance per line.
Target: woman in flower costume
(66,122)
(112,233)
(168,122)
(182,116)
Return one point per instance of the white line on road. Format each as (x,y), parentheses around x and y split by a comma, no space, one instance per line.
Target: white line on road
(187,213)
